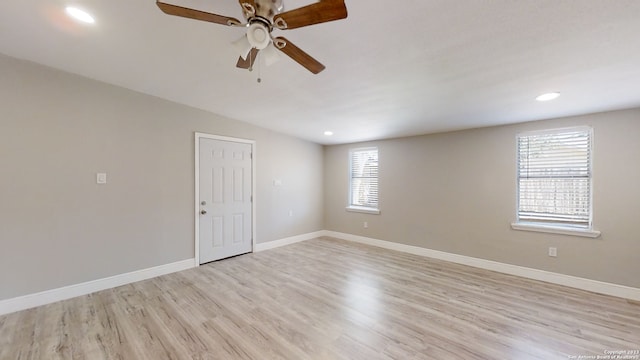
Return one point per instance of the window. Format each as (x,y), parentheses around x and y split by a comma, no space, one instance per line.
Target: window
(554,179)
(363,180)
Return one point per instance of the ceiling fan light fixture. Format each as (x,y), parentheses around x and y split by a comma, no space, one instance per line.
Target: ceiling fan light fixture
(258,35)
(270,54)
(243,46)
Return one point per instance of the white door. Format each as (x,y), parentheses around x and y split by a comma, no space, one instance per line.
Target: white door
(225,199)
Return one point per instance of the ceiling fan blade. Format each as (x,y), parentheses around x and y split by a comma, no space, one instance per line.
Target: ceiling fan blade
(248,6)
(316,13)
(298,55)
(197,14)
(249,61)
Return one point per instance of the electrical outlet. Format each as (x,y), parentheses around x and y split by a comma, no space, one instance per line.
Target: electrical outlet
(290,213)
(101,178)
(366,224)
(553,252)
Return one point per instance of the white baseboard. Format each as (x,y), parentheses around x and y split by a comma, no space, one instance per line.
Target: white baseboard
(67,292)
(50,296)
(290,240)
(535,274)
(46,297)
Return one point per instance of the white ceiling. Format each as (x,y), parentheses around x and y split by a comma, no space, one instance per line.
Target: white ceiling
(393,68)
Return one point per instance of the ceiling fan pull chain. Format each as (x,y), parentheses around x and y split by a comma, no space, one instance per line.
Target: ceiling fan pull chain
(259,67)
(251,62)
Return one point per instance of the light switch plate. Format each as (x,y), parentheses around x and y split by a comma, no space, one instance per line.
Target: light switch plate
(101,178)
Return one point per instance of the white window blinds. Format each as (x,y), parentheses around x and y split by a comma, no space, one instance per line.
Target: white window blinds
(364,178)
(554,177)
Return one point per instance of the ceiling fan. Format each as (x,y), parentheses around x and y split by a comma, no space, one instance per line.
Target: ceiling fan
(262,17)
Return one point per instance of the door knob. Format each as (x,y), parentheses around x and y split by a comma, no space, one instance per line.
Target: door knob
(203,212)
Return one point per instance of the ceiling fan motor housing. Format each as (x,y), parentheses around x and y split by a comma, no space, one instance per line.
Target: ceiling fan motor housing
(268,8)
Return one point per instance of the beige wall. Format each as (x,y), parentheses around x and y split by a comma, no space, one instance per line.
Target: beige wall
(455,192)
(57,227)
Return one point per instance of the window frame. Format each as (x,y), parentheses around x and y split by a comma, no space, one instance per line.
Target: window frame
(555,228)
(357,208)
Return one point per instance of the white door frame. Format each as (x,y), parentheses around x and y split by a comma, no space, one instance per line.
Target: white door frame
(199,136)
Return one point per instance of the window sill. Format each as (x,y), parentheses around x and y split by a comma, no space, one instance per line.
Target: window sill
(555,230)
(361,209)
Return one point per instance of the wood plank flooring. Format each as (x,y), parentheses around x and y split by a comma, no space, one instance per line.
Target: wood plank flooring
(326,299)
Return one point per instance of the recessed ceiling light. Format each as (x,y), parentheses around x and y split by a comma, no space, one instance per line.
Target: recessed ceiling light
(328,133)
(548,96)
(80,15)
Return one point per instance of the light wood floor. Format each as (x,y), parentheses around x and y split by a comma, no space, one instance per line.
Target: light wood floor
(326,299)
